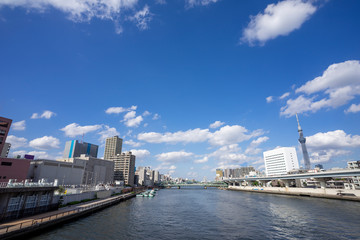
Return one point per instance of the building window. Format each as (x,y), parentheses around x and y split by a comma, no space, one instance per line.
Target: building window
(30,201)
(14,204)
(6,163)
(44,200)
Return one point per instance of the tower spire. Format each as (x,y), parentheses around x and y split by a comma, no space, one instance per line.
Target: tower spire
(302,141)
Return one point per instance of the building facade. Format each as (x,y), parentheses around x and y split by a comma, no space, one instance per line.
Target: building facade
(113,147)
(13,168)
(5,124)
(5,151)
(75,148)
(219,174)
(67,173)
(124,167)
(280,161)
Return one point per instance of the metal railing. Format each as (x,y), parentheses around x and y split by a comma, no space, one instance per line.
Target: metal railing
(37,222)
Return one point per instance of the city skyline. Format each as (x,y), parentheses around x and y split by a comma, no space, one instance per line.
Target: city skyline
(190,86)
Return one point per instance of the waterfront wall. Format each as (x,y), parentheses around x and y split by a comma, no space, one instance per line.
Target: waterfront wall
(306,192)
(85,195)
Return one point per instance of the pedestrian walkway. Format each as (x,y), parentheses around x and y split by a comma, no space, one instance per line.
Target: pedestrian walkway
(62,213)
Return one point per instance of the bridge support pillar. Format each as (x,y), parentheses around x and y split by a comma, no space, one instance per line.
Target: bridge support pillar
(286,182)
(322,182)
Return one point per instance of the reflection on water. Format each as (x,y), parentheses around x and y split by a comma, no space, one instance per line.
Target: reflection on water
(190,213)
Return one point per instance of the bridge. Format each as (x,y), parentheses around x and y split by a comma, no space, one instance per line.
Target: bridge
(209,184)
(322,177)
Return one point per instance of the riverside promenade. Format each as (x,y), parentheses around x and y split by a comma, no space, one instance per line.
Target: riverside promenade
(35,223)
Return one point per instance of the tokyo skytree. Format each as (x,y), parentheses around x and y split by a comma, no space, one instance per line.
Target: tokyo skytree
(302,141)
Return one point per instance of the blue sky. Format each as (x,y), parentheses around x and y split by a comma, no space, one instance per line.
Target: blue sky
(190,85)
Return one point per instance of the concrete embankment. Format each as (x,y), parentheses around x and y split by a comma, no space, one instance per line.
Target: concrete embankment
(340,194)
(31,225)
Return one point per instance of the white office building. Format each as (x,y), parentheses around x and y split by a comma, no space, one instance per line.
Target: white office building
(280,161)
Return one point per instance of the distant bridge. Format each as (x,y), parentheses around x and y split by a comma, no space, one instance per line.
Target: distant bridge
(210,184)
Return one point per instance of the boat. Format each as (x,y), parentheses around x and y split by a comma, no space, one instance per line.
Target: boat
(140,195)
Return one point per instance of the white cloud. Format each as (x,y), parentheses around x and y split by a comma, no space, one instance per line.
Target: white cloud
(174,156)
(140,153)
(192,135)
(269,99)
(193,3)
(142,18)
(216,124)
(45,143)
(16,142)
(225,135)
(19,126)
(117,110)
(232,134)
(107,132)
(202,160)
(161,2)
(325,146)
(78,10)
(133,143)
(74,129)
(146,113)
(156,116)
(134,122)
(252,148)
(278,19)
(285,95)
(129,115)
(40,154)
(353,108)
(46,114)
(340,83)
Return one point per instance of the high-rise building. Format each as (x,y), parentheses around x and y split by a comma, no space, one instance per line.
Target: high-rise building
(302,141)
(124,167)
(113,147)
(6,150)
(219,174)
(5,124)
(280,161)
(75,148)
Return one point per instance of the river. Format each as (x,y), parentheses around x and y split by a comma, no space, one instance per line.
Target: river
(196,213)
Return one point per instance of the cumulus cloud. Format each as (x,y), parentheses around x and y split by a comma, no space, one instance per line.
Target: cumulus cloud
(353,108)
(19,126)
(117,110)
(216,124)
(146,113)
(156,116)
(338,85)
(190,136)
(193,3)
(324,146)
(278,19)
(253,149)
(46,114)
(285,95)
(74,129)
(134,122)
(16,142)
(142,18)
(79,10)
(45,143)
(202,160)
(140,153)
(173,156)
(232,134)
(225,135)
(107,132)
(269,99)
(133,143)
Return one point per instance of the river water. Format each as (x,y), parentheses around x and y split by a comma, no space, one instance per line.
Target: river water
(196,213)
